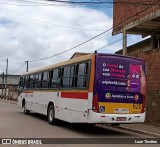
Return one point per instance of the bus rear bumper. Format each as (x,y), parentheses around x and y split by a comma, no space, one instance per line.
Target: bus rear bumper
(94,117)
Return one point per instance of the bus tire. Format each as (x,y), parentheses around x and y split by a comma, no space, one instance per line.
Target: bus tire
(26,111)
(51,115)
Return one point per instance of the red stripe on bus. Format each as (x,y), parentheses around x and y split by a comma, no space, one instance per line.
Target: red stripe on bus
(74,95)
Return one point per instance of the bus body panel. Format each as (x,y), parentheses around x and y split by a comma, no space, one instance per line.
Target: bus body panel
(112,118)
(117,84)
(74,110)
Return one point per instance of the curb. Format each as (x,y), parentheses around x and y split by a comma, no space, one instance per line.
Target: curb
(135,130)
(8,101)
(139,131)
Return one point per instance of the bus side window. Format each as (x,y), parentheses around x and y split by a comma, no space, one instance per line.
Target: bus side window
(45,80)
(50,78)
(39,83)
(24,79)
(66,71)
(36,80)
(26,82)
(72,77)
(81,79)
(86,76)
(31,81)
(20,85)
(55,82)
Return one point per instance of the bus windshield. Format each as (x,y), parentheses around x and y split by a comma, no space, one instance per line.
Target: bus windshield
(118,84)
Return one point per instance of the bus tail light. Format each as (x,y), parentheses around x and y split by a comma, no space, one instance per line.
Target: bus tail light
(95,104)
(143,105)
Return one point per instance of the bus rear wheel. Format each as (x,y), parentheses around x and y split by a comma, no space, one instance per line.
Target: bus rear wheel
(51,115)
(26,111)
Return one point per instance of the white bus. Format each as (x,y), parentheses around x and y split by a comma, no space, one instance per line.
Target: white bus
(95,88)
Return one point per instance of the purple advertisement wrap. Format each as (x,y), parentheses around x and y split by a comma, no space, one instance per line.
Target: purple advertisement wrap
(118,79)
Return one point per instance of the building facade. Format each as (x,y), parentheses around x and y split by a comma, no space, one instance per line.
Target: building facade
(12,86)
(142,17)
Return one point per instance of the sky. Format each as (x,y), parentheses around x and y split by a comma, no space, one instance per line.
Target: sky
(30,31)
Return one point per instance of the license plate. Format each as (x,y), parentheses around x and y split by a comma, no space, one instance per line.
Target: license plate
(121,110)
(121,119)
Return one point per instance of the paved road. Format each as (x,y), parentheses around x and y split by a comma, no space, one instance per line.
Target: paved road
(14,124)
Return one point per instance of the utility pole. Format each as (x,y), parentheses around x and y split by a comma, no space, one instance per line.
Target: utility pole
(6,78)
(124,42)
(27,66)
(2,83)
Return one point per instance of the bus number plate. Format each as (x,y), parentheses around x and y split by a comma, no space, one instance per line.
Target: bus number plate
(121,119)
(121,110)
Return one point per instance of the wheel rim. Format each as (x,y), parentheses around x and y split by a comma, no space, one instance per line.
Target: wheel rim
(51,114)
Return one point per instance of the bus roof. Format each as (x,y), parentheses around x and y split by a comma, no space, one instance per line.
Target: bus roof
(71,61)
(75,60)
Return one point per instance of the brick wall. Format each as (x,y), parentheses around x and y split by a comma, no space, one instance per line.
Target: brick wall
(125,13)
(152,58)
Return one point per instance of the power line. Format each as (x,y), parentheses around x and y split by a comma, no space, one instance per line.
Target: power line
(101,2)
(72,47)
(69,26)
(81,3)
(111,43)
(57,25)
(20,68)
(87,40)
(48,4)
(32,4)
(104,2)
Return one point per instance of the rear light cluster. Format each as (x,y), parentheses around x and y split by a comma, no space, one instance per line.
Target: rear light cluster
(95,104)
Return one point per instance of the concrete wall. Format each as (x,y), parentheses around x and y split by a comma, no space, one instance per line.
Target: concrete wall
(12,86)
(152,58)
(11,79)
(3,91)
(126,13)
(11,92)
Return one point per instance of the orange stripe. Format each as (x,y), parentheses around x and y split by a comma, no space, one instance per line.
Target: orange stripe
(92,74)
